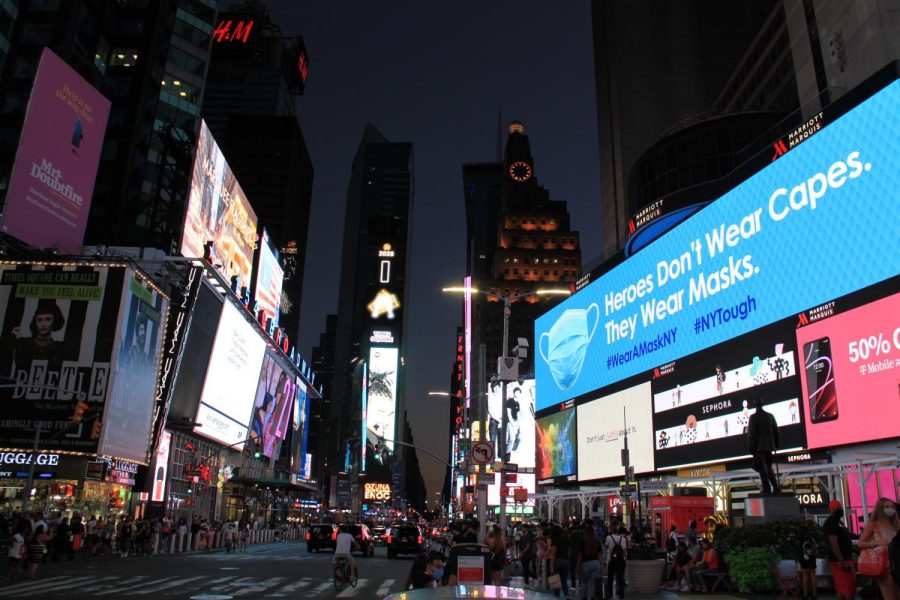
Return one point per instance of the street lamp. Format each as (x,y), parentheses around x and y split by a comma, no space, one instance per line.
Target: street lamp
(521,349)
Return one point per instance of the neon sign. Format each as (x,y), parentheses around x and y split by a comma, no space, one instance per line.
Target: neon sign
(384,304)
(240,33)
(377,491)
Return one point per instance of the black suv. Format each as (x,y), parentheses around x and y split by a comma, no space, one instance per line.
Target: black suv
(321,535)
(405,539)
(362,536)
(379,535)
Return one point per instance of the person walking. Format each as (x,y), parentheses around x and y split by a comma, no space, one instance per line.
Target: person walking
(588,564)
(880,530)
(229,537)
(18,549)
(762,437)
(617,551)
(840,549)
(498,553)
(806,563)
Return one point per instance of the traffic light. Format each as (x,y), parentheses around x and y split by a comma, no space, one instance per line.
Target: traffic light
(80,408)
(257,454)
(96,429)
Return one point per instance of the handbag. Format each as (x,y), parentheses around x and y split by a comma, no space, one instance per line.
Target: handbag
(554,581)
(873,562)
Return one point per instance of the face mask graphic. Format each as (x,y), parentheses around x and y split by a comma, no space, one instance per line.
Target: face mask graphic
(567,344)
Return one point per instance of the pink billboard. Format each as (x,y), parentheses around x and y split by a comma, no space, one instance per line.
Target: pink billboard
(849,366)
(52,180)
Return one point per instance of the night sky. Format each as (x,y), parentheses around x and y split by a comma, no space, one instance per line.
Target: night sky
(437,79)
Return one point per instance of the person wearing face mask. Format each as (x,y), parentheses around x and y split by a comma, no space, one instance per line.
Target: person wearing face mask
(429,573)
(839,552)
(878,533)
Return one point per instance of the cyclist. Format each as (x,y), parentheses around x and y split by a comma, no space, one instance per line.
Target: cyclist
(344,545)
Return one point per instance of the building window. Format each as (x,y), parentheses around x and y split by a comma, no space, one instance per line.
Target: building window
(123,57)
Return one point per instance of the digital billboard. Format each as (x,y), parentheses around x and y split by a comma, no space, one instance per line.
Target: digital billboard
(382,396)
(275,396)
(300,434)
(519,405)
(816,224)
(128,417)
(231,377)
(602,425)
(556,447)
(161,467)
(52,180)
(850,371)
(269,277)
(218,211)
(58,332)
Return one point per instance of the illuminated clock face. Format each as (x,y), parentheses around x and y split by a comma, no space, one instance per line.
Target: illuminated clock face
(520,171)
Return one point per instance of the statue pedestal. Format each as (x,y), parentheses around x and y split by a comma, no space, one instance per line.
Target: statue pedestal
(759,509)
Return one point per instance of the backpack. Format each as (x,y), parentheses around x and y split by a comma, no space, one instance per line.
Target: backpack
(618,552)
(671,544)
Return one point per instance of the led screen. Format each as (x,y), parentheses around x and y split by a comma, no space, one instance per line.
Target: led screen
(602,424)
(300,434)
(519,406)
(556,447)
(522,480)
(381,397)
(228,390)
(218,211)
(161,467)
(269,279)
(275,395)
(52,180)
(819,223)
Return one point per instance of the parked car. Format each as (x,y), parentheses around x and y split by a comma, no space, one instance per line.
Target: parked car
(362,535)
(405,539)
(379,535)
(321,536)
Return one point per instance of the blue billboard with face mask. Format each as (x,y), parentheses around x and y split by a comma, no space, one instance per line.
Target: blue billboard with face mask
(820,222)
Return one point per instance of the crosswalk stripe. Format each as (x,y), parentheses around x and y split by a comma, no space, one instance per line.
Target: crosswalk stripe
(349,591)
(168,585)
(383,590)
(322,587)
(133,582)
(45,586)
(28,583)
(290,588)
(260,587)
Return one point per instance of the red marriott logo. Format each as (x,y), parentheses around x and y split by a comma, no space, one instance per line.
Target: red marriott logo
(240,33)
(802,320)
(780,149)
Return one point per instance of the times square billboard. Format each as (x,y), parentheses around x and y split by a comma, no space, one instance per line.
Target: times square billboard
(72,330)
(786,288)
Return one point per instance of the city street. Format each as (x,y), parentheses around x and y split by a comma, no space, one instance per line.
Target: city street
(278,570)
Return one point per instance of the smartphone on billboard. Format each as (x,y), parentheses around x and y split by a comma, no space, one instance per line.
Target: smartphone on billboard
(820,389)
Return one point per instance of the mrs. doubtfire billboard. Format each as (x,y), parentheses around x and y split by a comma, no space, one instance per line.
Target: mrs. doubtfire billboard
(52,181)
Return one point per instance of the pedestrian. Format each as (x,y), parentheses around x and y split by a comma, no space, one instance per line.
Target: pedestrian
(245,537)
(165,530)
(62,540)
(576,543)
(77,527)
(229,537)
(840,550)
(91,529)
(588,564)
(762,437)
(35,553)
(708,564)
(526,553)
(880,530)
(806,562)
(498,553)
(560,545)
(17,551)
(617,551)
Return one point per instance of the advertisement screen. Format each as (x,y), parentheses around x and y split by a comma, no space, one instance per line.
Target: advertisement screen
(161,467)
(556,447)
(128,416)
(601,430)
(382,397)
(818,223)
(522,480)
(519,407)
(52,180)
(275,396)
(269,278)
(850,373)
(702,403)
(229,389)
(300,434)
(57,336)
(218,211)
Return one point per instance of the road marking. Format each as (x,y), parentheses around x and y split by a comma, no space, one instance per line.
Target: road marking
(131,584)
(261,586)
(27,584)
(352,590)
(291,587)
(168,585)
(322,588)
(222,579)
(383,590)
(44,586)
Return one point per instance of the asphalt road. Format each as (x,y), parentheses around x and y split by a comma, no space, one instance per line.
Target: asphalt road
(278,570)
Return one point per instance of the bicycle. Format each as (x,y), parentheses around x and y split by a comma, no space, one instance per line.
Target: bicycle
(342,574)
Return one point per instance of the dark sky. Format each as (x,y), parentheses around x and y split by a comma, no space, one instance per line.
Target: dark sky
(437,78)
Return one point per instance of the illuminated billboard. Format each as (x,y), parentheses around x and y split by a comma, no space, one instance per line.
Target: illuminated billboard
(218,211)
(275,396)
(161,467)
(377,492)
(269,277)
(519,406)
(557,444)
(52,180)
(59,327)
(382,397)
(231,380)
(300,459)
(742,262)
(128,417)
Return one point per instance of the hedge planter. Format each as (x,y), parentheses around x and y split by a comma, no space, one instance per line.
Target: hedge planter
(645,576)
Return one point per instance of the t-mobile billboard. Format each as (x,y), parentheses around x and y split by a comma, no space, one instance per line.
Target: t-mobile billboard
(819,223)
(52,180)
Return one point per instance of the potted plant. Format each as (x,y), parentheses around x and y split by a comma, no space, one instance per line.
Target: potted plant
(643,570)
